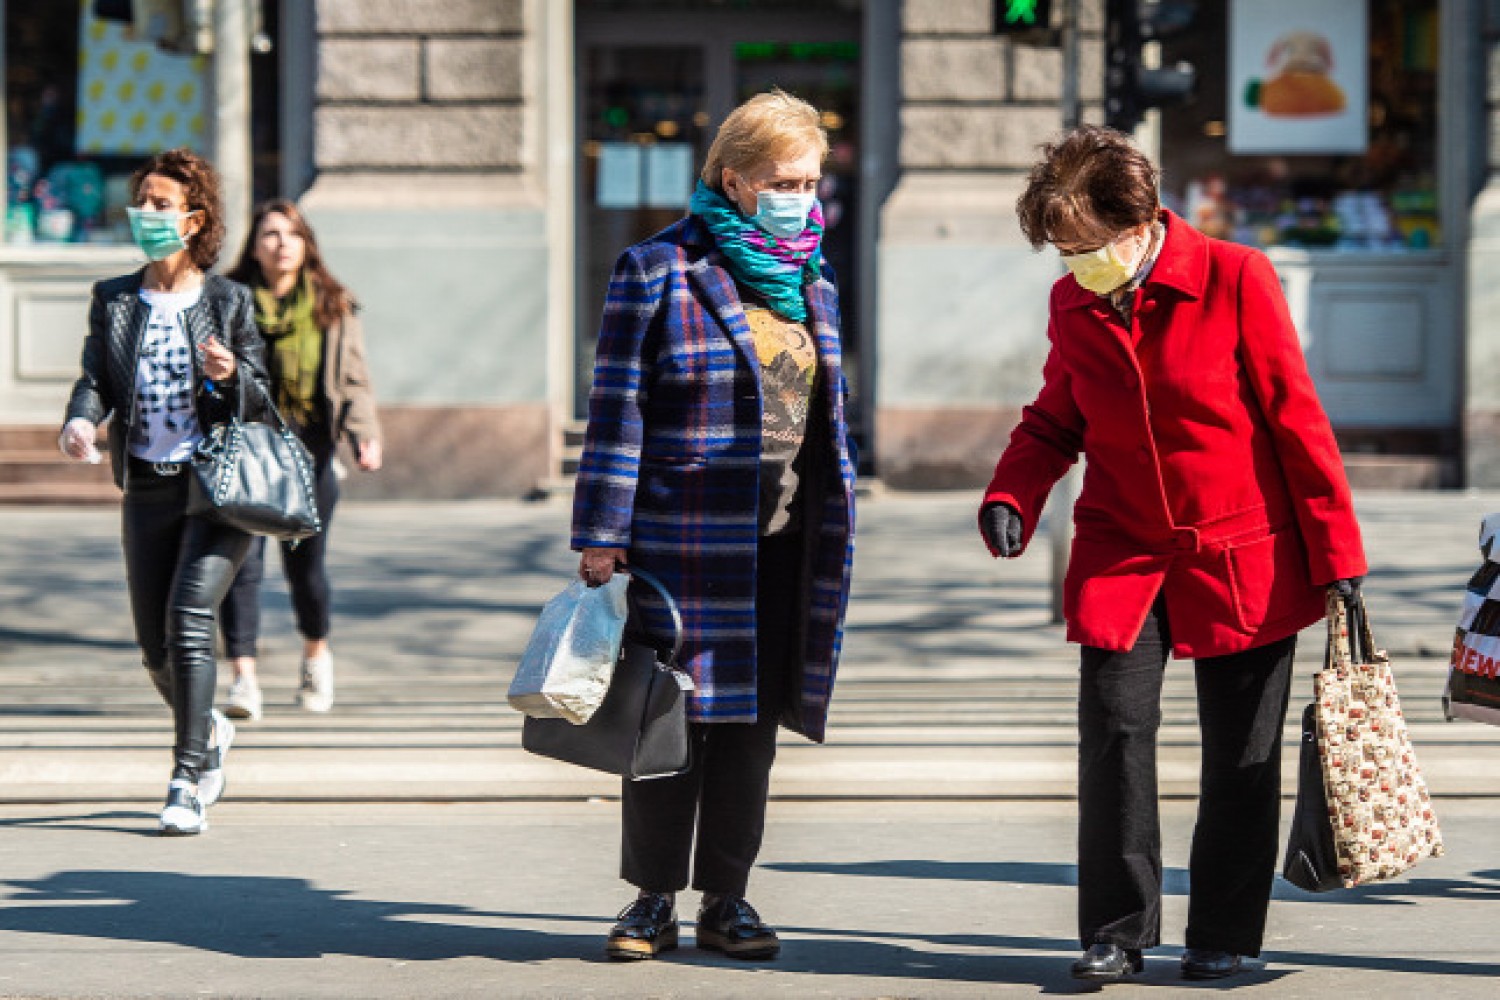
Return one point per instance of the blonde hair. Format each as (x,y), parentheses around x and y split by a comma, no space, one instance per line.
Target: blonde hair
(766,127)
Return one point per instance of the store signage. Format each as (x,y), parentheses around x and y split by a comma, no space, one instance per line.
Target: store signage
(1298,76)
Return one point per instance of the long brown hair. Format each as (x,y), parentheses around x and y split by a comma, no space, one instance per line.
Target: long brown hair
(331,299)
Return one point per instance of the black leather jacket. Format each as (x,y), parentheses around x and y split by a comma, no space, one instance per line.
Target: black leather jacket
(117,320)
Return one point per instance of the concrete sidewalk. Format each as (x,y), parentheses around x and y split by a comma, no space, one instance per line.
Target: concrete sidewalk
(929,900)
(953,681)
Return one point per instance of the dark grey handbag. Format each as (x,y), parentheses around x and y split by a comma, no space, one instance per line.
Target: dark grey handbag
(1311,861)
(640,731)
(256,477)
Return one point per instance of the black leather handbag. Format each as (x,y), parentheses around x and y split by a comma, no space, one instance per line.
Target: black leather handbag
(256,477)
(1311,861)
(640,731)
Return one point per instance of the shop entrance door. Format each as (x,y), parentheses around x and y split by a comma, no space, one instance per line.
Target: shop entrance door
(654,79)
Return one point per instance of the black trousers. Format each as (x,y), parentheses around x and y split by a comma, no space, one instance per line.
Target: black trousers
(1242,702)
(306,570)
(178,569)
(725,793)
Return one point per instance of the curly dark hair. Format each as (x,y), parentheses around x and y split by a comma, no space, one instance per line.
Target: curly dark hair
(331,299)
(1089,186)
(201,182)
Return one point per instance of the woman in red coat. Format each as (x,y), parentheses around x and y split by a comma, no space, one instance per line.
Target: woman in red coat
(1214,515)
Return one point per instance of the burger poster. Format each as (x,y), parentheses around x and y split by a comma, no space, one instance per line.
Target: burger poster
(1298,76)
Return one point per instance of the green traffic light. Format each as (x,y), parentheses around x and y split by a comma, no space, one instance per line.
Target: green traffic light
(1021,11)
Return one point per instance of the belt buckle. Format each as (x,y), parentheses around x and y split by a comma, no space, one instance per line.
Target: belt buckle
(166,468)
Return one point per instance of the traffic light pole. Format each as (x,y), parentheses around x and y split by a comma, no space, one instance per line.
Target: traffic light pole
(1072,114)
(231,118)
(1064,493)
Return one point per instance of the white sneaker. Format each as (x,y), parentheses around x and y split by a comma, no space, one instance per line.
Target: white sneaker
(244,700)
(183,815)
(211,780)
(316,692)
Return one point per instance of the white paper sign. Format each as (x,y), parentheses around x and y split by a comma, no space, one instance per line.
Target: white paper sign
(669,174)
(1298,76)
(134,98)
(619,181)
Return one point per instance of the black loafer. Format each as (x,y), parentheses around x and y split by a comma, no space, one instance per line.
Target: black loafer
(646,927)
(1202,963)
(1105,962)
(731,925)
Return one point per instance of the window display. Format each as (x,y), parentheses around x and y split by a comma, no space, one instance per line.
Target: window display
(85,103)
(1383,199)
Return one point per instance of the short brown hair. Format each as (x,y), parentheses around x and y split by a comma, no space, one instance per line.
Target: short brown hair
(1090,185)
(201,182)
(765,127)
(331,300)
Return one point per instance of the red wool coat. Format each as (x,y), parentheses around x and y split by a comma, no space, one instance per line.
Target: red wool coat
(1212,475)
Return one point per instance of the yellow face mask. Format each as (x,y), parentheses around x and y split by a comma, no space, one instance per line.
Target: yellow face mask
(1100,271)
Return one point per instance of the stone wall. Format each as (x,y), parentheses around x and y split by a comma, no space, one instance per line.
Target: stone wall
(429,84)
(962,299)
(1481,428)
(429,203)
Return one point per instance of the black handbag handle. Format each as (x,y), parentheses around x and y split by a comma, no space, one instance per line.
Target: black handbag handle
(277,418)
(1361,640)
(650,580)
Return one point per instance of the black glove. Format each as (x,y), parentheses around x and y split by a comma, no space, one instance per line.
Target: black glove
(1000,525)
(1348,589)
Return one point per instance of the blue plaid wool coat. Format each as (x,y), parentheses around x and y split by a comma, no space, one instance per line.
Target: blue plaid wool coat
(671,467)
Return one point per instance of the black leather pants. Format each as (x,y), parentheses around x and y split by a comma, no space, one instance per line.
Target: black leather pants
(178,568)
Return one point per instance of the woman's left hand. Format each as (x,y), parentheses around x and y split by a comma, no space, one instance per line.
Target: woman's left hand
(219,362)
(1348,589)
(369,456)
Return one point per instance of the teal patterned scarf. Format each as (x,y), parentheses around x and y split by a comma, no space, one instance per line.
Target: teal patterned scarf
(774,268)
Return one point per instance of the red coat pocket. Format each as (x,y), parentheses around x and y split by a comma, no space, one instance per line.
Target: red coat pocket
(1267,578)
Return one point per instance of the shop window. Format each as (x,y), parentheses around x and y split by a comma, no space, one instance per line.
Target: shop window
(1372,187)
(86,102)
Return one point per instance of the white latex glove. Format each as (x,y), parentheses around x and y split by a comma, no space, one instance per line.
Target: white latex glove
(78,441)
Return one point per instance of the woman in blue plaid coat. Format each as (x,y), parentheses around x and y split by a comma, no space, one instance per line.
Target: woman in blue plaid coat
(716,457)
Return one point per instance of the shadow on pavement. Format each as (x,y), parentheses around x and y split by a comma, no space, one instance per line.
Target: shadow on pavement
(1480,885)
(292,918)
(140,824)
(261,917)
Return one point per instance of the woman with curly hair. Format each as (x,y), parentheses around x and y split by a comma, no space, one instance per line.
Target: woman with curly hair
(170,351)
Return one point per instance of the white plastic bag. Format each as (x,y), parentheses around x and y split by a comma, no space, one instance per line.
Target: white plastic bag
(570,659)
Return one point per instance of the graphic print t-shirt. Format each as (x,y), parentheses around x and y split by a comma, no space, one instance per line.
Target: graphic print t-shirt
(788,367)
(165,428)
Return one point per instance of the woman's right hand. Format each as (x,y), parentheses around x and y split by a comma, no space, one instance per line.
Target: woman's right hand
(598,565)
(79,440)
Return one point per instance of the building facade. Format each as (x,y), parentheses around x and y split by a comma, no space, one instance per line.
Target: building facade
(473,167)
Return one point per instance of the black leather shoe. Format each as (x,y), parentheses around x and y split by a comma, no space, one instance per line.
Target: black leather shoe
(1105,962)
(646,927)
(731,925)
(1201,963)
